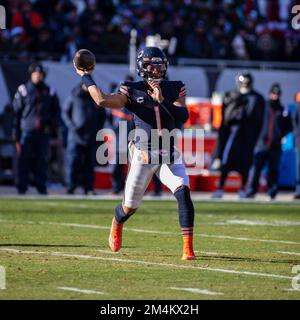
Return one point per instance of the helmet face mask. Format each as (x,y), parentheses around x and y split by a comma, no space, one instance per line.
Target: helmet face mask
(154,72)
(152,64)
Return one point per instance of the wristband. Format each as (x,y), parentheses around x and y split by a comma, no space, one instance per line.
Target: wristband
(87,80)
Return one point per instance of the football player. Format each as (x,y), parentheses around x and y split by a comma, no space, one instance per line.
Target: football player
(157,104)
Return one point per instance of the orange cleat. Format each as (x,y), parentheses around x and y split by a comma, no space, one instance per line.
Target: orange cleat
(188,256)
(115,236)
(188,251)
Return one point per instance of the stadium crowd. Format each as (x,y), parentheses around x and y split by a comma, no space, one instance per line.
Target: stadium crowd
(216,29)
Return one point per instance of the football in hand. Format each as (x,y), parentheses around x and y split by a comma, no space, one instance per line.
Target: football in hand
(84,60)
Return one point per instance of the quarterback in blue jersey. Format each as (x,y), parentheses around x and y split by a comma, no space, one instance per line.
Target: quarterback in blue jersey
(158,105)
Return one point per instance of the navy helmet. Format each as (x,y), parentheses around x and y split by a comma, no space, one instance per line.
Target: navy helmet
(152,64)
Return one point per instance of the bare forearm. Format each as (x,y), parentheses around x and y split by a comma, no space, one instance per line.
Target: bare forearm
(97,95)
(111,101)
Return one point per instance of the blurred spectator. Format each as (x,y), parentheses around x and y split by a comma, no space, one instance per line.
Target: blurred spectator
(242,118)
(219,44)
(27,18)
(277,124)
(239,46)
(291,51)
(297,144)
(220,29)
(83,119)
(37,112)
(44,44)
(196,42)
(17,43)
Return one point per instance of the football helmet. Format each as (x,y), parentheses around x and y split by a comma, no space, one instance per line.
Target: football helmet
(152,64)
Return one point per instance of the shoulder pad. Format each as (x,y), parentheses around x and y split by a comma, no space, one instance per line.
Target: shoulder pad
(22,90)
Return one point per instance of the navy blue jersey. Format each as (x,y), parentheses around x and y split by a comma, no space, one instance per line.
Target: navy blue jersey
(149,114)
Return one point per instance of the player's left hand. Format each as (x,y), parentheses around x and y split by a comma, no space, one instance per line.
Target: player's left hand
(156,93)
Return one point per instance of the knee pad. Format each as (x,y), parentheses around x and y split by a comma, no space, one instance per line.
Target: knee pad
(120,215)
(185,207)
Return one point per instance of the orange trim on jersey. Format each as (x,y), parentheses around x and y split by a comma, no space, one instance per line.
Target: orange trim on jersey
(122,115)
(124,90)
(182,92)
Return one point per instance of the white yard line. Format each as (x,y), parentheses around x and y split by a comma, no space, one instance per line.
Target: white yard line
(278,223)
(290,253)
(66,224)
(170,265)
(107,251)
(292,290)
(196,290)
(245,239)
(92,226)
(80,290)
(207,252)
(75,225)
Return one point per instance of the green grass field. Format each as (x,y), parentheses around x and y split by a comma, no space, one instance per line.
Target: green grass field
(245,251)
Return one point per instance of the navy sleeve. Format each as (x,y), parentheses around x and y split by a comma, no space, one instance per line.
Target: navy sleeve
(180,114)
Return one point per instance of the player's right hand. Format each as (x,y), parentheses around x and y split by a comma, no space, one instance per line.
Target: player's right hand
(81,72)
(156,93)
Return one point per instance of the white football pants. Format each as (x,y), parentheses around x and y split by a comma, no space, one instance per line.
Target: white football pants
(140,174)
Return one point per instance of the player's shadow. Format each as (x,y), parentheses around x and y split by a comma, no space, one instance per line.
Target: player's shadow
(245,259)
(46,245)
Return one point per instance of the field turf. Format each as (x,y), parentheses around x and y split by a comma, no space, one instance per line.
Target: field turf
(245,251)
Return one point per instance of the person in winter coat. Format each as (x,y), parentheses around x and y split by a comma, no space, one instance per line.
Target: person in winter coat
(277,124)
(83,119)
(242,118)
